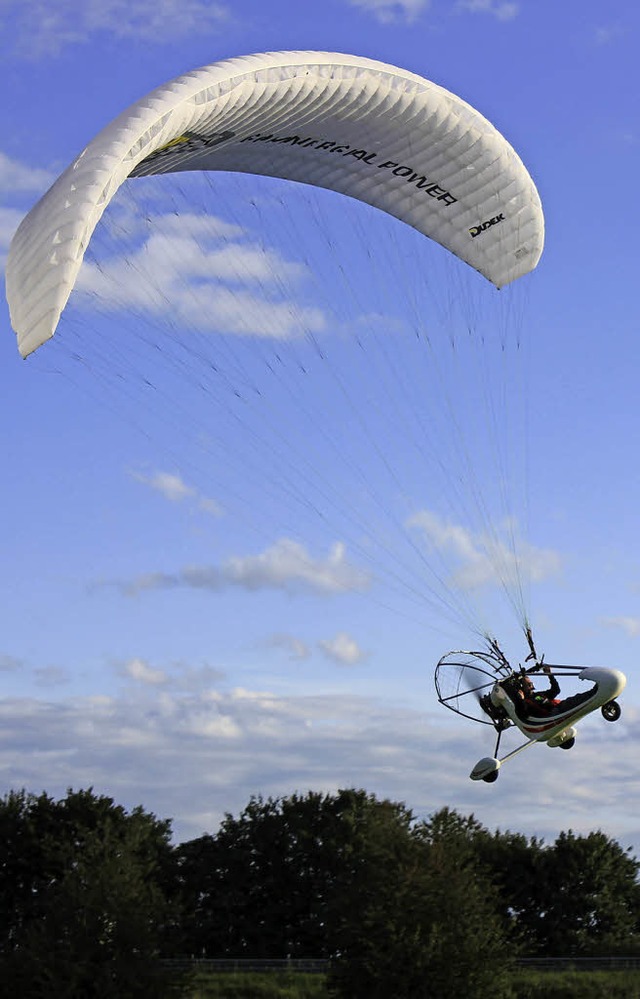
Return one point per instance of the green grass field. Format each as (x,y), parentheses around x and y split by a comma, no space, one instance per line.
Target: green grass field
(526,985)
(576,984)
(255,985)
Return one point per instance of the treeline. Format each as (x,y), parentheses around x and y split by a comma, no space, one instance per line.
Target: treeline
(91,896)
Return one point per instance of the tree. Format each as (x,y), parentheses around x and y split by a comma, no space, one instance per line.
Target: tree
(593,900)
(84,896)
(428,924)
(353,878)
(264,885)
(577,896)
(518,870)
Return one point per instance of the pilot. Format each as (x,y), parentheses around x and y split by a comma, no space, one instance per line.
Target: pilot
(539,703)
(532,703)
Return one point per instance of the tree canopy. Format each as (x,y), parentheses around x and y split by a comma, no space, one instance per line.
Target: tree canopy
(91,896)
(84,896)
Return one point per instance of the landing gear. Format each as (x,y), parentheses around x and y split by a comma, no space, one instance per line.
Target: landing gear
(568,743)
(486,769)
(611,711)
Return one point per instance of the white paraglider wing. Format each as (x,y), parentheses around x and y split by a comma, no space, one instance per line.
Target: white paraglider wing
(359,127)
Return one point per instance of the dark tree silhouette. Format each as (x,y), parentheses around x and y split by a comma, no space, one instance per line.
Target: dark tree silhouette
(84,891)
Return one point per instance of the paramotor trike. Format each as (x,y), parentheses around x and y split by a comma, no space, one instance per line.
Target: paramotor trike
(484,687)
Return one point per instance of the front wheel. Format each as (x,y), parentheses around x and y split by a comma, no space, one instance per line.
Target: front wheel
(611,711)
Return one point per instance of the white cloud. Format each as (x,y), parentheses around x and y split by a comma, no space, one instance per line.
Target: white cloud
(51,676)
(170,485)
(38,27)
(214,276)
(296,649)
(236,310)
(605,34)
(630,625)
(478,560)
(191,757)
(141,671)
(10,664)
(210,506)
(195,678)
(343,649)
(502,10)
(173,487)
(286,565)
(390,11)
(176,676)
(17,177)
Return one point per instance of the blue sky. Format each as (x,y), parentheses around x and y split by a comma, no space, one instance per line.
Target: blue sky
(177,630)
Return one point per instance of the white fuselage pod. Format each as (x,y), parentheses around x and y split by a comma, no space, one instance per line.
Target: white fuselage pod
(609,683)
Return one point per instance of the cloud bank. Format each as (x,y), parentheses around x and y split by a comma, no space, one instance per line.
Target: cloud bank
(192,755)
(216,276)
(39,28)
(501,10)
(479,560)
(392,11)
(286,565)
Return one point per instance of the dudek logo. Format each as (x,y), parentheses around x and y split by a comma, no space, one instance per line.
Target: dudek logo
(180,148)
(477,229)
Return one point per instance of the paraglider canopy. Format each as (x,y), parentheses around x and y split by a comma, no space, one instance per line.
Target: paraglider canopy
(226,310)
(365,129)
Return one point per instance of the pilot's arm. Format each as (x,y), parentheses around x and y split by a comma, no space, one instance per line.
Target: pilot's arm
(554,687)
